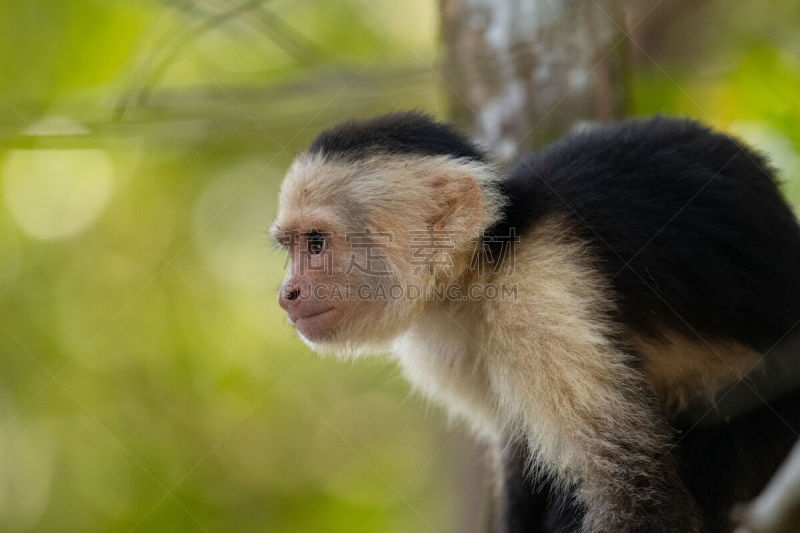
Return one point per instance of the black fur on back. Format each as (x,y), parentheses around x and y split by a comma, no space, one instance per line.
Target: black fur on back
(408,133)
(687,224)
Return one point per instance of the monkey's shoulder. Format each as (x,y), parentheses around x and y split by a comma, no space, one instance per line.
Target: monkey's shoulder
(634,176)
(682,221)
(637,165)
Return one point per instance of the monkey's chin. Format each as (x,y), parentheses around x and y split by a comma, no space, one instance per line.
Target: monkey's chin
(345,349)
(345,333)
(344,342)
(318,327)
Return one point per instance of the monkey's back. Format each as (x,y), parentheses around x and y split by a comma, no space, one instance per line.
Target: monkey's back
(688,226)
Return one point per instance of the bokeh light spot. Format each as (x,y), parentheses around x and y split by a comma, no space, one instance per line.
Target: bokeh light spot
(230,222)
(56,193)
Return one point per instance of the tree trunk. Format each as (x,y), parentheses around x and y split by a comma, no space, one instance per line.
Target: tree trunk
(521,73)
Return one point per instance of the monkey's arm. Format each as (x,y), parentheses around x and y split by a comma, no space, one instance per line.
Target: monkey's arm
(602,438)
(524,504)
(571,391)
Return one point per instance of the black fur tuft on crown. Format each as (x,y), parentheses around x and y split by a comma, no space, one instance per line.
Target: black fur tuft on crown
(406,133)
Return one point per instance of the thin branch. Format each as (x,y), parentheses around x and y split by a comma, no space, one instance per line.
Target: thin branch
(777,509)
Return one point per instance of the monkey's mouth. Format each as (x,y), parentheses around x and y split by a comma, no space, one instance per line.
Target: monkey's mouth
(317,325)
(309,316)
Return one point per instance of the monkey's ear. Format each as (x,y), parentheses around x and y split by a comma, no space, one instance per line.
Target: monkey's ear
(461,204)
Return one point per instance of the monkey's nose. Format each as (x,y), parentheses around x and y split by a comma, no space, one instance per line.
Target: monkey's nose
(288,296)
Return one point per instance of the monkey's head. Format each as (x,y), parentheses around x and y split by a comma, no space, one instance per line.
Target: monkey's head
(374,215)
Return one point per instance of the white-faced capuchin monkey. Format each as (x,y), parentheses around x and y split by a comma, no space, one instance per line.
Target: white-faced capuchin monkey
(567,311)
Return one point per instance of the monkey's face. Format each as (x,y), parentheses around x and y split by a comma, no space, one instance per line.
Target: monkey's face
(340,289)
(308,292)
(344,254)
(355,232)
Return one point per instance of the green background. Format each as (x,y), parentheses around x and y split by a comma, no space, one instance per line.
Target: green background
(148,379)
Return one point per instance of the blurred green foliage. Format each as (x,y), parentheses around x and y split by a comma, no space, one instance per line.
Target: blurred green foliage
(148,380)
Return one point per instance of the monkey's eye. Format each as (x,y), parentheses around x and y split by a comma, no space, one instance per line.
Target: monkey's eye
(316,242)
